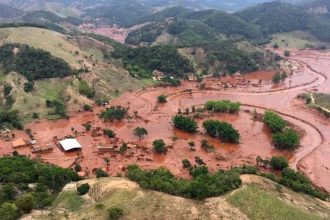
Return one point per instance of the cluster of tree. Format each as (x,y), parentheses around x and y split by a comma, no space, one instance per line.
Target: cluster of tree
(289,177)
(109,133)
(17,197)
(275,122)
(86,90)
(299,183)
(222,130)
(114,113)
(146,34)
(58,106)
(234,59)
(170,81)
(283,138)
(224,106)
(161,99)
(185,123)
(203,184)
(288,139)
(10,119)
(143,61)
(159,146)
(31,62)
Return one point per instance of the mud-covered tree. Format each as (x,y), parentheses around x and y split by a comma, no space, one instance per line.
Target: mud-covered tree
(140,132)
(185,123)
(109,133)
(186,164)
(159,146)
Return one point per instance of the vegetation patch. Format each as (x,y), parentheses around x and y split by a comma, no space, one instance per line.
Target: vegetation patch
(185,123)
(202,186)
(222,130)
(224,106)
(32,63)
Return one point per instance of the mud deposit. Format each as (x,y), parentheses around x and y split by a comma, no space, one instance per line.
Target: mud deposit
(254,91)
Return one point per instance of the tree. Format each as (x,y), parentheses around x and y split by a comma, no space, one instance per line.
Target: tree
(115,213)
(25,203)
(140,132)
(287,140)
(162,99)
(279,163)
(123,148)
(184,123)
(275,46)
(192,145)
(287,53)
(107,161)
(110,133)
(159,146)
(83,189)
(28,86)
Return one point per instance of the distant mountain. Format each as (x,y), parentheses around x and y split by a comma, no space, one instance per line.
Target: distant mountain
(7,11)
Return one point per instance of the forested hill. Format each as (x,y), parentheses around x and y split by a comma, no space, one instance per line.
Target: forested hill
(275,17)
(7,11)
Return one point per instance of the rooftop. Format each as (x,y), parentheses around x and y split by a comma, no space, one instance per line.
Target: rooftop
(70,144)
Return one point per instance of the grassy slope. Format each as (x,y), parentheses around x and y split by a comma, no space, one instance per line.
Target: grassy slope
(47,40)
(108,79)
(296,39)
(259,198)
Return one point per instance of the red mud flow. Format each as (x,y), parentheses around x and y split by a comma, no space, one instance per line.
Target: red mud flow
(254,91)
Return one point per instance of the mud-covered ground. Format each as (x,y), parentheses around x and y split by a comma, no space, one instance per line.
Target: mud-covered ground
(310,71)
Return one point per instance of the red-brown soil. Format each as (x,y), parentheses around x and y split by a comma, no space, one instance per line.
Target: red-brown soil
(312,158)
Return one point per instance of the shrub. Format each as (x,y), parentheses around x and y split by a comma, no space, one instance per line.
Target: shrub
(186,164)
(115,213)
(159,146)
(87,107)
(77,167)
(8,211)
(35,115)
(199,171)
(274,121)
(223,130)
(25,203)
(288,139)
(85,89)
(114,113)
(87,126)
(287,53)
(110,133)
(83,189)
(206,146)
(123,148)
(101,173)
(279,163)
(184,123)
(162,99)
(7,88)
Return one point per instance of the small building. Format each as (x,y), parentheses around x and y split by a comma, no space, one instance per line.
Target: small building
(70,144)
(19,143)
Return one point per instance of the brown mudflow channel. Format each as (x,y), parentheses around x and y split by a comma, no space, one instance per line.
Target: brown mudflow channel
(310,72)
